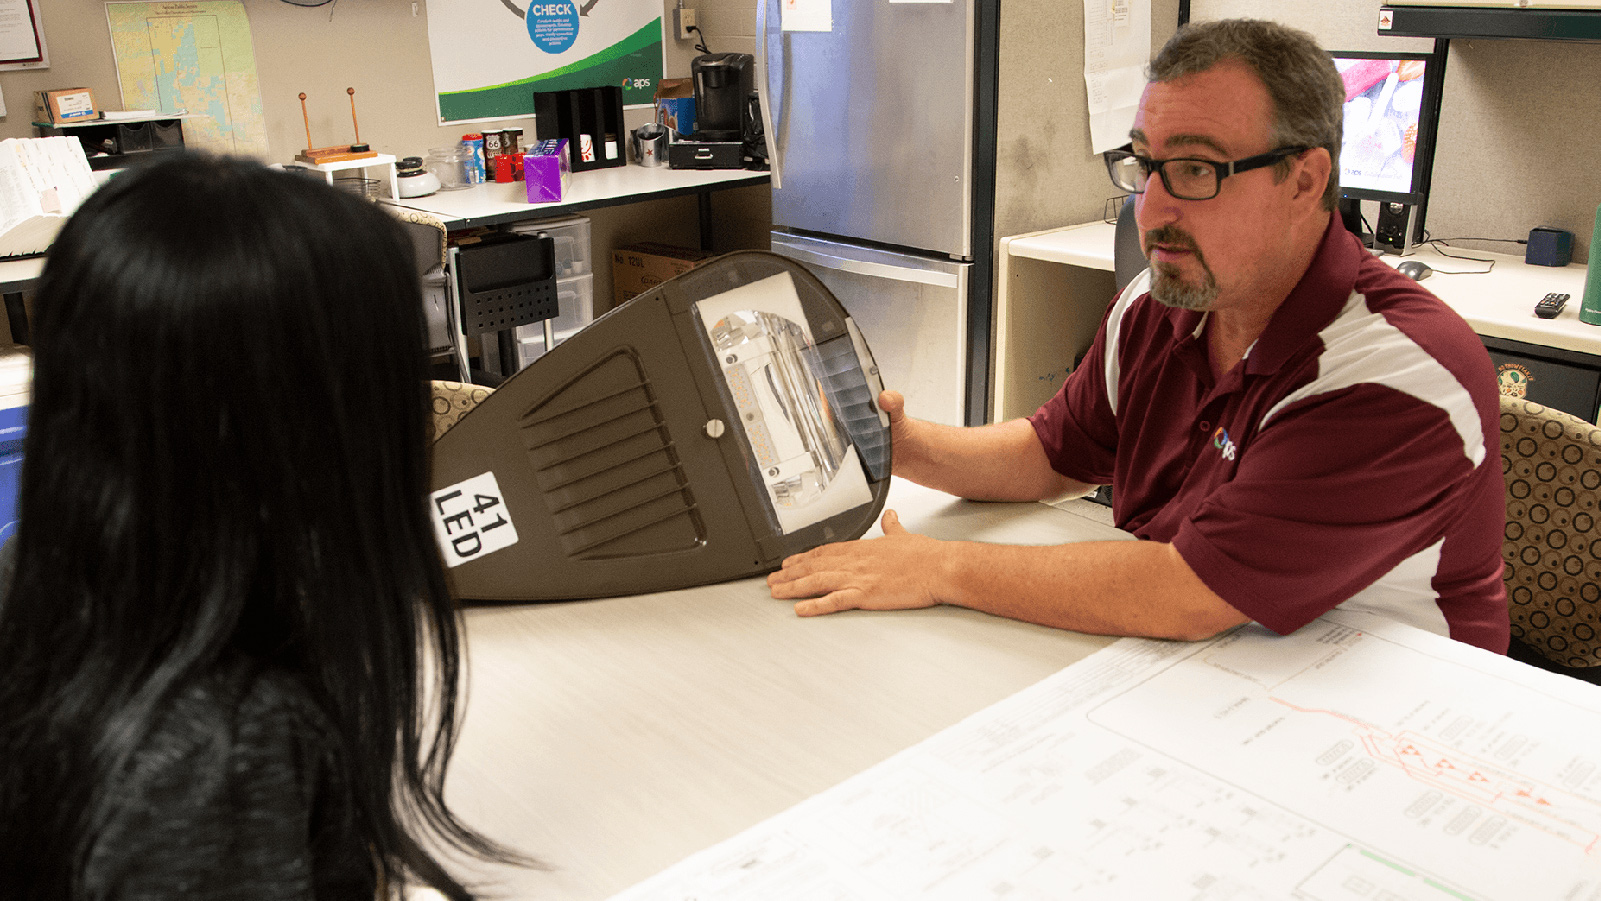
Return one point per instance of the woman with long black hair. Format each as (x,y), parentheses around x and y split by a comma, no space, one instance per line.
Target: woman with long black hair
(228,662)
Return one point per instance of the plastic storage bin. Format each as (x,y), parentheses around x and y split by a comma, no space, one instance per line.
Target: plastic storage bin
(575,297)
(16,379)
(571,237)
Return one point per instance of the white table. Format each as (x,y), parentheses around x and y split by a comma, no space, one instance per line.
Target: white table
(1055,286)
(612,738)
(501,203)
(1500,303)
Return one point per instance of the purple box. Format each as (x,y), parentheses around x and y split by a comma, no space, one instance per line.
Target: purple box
(547,169)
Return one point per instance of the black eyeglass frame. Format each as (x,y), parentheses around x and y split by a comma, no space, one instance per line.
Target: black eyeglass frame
(1222,170)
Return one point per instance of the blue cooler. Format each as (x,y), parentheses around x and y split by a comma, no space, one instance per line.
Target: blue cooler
(16,376)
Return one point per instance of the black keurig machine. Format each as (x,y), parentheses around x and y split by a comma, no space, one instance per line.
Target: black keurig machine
(723,82)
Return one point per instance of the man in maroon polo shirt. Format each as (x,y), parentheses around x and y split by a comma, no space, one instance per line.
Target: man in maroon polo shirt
(1291,425)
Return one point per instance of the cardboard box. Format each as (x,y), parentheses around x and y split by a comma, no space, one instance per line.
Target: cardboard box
(547,171)
(66,105)
(675,105)
(636,268)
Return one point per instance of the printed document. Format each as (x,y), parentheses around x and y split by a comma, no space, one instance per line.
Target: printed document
(1117,45)
(1355,759)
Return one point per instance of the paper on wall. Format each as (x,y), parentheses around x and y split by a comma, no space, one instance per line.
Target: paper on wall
(806,15)
(22,44)
(1117,45)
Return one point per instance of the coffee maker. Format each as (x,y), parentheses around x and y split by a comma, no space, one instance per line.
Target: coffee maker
(723,84)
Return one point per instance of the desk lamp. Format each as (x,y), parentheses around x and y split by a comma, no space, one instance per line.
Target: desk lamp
(702,431)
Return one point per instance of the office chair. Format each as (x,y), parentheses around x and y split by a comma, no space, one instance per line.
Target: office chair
(1552,549)
(1128,261)
(427,233)
(1128,258)
(452,401)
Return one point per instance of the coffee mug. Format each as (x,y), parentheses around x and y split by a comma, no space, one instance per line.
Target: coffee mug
(650,144)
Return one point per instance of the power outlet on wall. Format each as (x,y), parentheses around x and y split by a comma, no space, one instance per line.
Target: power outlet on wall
(684,19)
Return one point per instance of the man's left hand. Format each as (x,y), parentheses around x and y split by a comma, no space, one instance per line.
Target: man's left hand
(889,573)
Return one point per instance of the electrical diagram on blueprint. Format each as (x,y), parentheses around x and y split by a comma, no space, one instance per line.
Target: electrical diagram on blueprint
(1355,759)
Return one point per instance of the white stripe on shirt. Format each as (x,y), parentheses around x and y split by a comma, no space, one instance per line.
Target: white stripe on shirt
(1362,347)
(1406,593)
(1111,352)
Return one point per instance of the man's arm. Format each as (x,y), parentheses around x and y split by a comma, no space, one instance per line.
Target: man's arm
(1106,588)
(1000,462)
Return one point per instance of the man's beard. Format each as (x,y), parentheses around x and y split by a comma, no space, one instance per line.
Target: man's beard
(1167,285)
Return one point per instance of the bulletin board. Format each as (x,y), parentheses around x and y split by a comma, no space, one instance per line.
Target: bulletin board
(490,56)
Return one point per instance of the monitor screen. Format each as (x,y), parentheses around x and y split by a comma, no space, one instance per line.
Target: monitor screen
(1388,125)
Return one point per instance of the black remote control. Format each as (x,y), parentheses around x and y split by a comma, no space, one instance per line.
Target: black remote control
(1550,305)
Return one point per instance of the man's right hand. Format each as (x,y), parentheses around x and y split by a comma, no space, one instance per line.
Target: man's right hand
(900,425)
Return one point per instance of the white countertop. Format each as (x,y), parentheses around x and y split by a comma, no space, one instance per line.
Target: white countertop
(20,275)
(1498,304)
(497,202)
(1088,245)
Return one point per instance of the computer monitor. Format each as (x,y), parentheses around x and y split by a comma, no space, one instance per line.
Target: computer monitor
(1392,104)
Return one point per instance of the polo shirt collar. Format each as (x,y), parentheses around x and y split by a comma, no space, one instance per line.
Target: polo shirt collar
(1314,302)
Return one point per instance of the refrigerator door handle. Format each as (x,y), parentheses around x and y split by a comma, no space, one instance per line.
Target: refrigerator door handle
(940,277)
(775,160)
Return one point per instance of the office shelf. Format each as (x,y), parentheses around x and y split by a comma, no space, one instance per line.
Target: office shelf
(113,143)
(1474,22)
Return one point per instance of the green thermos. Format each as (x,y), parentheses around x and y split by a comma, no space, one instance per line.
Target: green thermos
(1590,310)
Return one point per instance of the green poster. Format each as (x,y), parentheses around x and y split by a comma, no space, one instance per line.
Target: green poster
(490,56)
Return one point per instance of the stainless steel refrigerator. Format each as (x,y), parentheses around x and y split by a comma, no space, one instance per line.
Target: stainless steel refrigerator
(881,139)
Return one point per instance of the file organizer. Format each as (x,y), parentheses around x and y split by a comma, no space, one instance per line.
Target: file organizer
(503,282)
(575,284)
(580,113)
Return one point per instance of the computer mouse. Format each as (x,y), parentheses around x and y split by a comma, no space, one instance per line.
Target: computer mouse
(1414,269)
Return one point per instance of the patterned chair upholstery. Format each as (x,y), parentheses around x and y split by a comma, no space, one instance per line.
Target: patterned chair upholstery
(452,401)
(1552,548)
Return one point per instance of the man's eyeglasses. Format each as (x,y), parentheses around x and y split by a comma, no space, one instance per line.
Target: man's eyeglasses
(1185,179)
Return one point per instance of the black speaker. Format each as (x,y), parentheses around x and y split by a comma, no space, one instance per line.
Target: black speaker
(1394,227)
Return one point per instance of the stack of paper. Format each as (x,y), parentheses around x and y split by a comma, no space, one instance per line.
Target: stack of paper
(42,180)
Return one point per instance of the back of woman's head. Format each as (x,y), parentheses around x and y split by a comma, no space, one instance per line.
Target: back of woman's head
(226,459)
(223,351)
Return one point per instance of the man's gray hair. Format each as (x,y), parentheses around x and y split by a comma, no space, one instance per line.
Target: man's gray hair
(1308,96)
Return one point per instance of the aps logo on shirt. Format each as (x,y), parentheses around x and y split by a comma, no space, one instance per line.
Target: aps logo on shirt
(1224,444)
